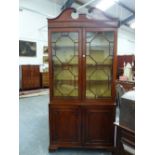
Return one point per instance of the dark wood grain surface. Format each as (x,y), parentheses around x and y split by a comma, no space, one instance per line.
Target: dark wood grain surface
(30,77)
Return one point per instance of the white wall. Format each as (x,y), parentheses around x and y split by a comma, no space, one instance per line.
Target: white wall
(126,41)
(33,26)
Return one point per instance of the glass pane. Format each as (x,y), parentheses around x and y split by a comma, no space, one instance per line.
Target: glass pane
(99,60)
(65,64)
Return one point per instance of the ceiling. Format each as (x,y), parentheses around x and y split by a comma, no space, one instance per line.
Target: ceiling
(124,10)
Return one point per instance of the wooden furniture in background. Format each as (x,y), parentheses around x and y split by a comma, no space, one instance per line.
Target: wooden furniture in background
(82,71)
(127,85)
(30,77)
(120,63)
(45,79)
(124,136)
(125,125)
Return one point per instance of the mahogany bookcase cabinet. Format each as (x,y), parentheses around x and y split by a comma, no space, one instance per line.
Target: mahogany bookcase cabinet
(82,73)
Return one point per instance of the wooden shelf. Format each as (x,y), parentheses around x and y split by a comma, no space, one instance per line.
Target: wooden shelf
(65,65)
(99,65)
(98,81)
(69,82)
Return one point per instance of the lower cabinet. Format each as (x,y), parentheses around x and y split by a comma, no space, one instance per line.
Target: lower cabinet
(81,126)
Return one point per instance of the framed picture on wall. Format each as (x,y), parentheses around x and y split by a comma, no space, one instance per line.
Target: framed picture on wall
(45,49)
(45,59)
(27,48)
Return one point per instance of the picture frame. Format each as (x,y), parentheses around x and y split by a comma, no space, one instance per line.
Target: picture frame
(45,49)
(27,48)
(45,59)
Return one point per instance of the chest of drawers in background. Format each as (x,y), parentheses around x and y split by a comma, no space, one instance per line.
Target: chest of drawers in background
(30,77)
(45,79)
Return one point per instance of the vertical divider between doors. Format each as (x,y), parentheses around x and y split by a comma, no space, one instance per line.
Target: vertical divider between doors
(80,68)
(83,82)
(84,64)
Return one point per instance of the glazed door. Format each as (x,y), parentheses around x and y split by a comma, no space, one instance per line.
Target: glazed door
(65,62)
(98,64)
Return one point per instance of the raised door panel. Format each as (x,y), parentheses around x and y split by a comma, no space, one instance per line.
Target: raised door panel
(66,126)
(98,126)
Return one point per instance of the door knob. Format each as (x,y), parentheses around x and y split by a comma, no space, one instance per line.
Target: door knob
(83,56)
